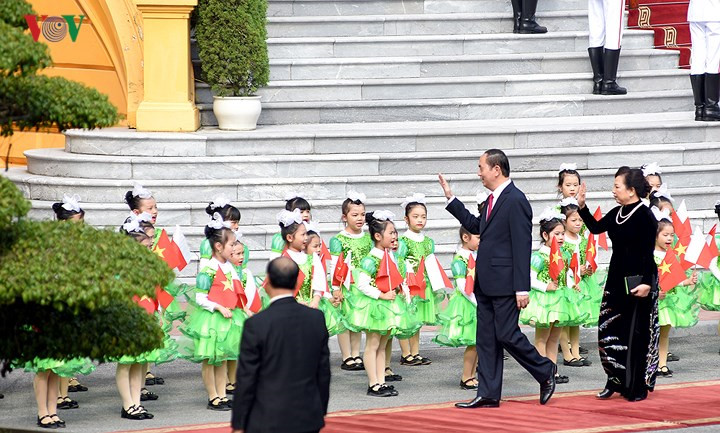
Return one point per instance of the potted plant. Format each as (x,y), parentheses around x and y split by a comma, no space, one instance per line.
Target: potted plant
(233,52)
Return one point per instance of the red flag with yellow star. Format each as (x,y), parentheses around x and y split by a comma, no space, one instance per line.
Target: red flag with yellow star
(680,250)
(591,253)
(163,297)
(300,278)
(222,291)
(602,237)
(416,280)
(168,250)
(670,271)
(388,276)
(240,292)
(146,302)
(557,264)
(470,277)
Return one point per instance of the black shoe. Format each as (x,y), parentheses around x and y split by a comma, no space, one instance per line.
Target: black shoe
(391,389)
(349,364)
(711,111)
(573,363)
(146,395)
(547,388)
(517,12)
(605,394)
(149,381)
(392,377)
(60,423)
(586,362)
(410,360)
(230,388)
(527,24)
(145,414)
(67,403)
(379,392)
(671,357)
(611,58)
(582,350)
(159,381)
(665,372)
(465,384)
(216,404)
(131,413)
(596,61)
(359,364)
(560,379)
(423,360)
(77,388)
(478,402)
(227,402)
(52,424)
(698,87)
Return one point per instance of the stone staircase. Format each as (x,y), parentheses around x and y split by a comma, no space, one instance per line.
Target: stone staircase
(379,96)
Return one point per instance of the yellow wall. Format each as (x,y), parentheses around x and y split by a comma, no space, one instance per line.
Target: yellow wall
(107,55)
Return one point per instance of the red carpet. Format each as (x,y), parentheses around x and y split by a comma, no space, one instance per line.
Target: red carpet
(670,406)
(668,19)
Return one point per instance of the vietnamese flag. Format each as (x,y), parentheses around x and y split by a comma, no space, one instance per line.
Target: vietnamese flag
(300,278)
(324,254)
(681,223)
(342,271)
(222,291)
(602,237)
(557,264)
(388,276)
(167,250)
(591,253)
(709,251)
(164,298)
(671,272)
(184,256)
(240,292)
(252,294)
(470,277)
(146,302)
(575,265)
(416,280)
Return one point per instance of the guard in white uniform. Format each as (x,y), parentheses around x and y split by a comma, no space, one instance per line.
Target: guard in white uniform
(704,19)
(524,17)
(606,21)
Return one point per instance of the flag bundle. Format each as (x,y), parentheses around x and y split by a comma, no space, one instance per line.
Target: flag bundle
(416,280)
(388,276)
(176,252)
(557,264)
(670,271)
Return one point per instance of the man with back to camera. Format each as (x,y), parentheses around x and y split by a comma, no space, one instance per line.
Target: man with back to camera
(283,374)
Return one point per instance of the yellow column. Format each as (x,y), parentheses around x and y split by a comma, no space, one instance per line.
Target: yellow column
(168,103)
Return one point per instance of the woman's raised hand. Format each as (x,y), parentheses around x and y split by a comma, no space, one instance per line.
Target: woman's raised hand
(445,186)
(580,196)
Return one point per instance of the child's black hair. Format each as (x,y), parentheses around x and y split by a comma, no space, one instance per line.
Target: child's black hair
(409,207)
(569,209)
(662,224)
(547,226)
(656,200)
(227,212)
(133,201)
(462,232)
(375,225)
(289,230)
(566,172)
(220,235)
(297,203)
(348,202)
(63,214)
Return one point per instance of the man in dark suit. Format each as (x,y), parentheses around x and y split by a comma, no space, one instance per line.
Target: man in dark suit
(283,374)
(502,280)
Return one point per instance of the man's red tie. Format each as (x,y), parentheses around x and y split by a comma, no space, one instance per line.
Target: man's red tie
(489,207)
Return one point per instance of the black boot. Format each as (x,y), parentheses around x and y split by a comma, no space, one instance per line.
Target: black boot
(610,67)
(711,111)
(517,10)
(596,60)
(698,87)
(527,18)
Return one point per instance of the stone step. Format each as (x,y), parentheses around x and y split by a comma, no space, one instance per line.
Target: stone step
(381,7)
(39,187)
(405,137)
(454,87)
(459,65)
(443,45)
(57,162)
(254,213)
(512,107)
(416,24)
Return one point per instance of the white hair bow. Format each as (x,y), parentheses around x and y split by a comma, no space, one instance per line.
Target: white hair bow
(650,169)
(286,218)
(140,191)
(71,203)
(568,167)
(717,203)
(220,201)
(415,198)
(311,226)
(481,197)
(356,196)
(660,214)
(218,222)
(663,192)
(132,225)
(383,215)
(569,201)
(551,214)
(143,217)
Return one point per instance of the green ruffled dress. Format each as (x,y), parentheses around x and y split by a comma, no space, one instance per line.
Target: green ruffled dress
(709,286)
(63,368)
(557,307)
(364,313)
(426,309)
(334,321)
(591,288)
(679,308)
(210,336)
(458,322)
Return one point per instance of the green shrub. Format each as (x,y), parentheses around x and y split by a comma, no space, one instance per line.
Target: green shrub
(231,42)
(12,203)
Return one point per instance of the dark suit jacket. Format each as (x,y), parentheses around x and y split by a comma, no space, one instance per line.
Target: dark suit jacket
(503,257)
(283,375)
